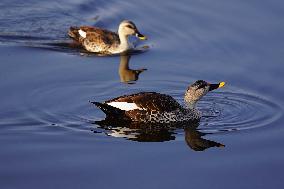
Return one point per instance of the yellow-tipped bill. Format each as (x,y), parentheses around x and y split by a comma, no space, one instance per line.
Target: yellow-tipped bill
(140,36)
(143,38)
(222,84)
(216,86)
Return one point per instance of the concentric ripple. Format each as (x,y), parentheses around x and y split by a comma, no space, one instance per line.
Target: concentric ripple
(236,111)
(53,106)
(222,111)
(66,104)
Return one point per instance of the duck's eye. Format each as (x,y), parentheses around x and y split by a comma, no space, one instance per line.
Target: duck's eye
(129,26)
(201,86)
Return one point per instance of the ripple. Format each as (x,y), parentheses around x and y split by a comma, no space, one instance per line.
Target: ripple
(222,111)
(33,24)
(229,111)
(66,105)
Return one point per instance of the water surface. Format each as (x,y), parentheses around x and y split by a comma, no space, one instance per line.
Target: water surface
(49,137)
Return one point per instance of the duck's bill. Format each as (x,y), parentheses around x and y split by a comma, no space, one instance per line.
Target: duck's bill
(216,86)
(140,36)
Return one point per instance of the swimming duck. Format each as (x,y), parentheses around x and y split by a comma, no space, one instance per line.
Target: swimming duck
(126,74)
(154,107)
(100,40)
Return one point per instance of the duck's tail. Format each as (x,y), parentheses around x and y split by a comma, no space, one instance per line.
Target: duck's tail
(74,33)
(110,111)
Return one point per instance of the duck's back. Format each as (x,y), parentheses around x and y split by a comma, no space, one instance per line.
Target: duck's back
(149,101)
(147,107)
(152,107)
(95,39)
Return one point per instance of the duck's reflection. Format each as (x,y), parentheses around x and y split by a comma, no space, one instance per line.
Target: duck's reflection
(126,74)
(158,133)
(194,140)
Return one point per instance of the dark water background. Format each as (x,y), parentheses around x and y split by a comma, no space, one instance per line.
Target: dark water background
(48,138)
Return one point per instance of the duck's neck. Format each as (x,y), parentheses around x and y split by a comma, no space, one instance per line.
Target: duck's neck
(124,45)
(189,102)
(190,105)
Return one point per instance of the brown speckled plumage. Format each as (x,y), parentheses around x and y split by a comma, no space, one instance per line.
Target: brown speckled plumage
(97,39)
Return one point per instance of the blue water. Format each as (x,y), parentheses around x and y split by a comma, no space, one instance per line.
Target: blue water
(49,137)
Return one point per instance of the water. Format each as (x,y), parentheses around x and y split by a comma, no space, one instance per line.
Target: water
(49,137)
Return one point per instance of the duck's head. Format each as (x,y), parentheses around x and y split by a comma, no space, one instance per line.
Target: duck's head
(198,89)
(127,28)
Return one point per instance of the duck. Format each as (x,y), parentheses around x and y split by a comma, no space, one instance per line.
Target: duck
(126,74)
(153,107)
(99,40)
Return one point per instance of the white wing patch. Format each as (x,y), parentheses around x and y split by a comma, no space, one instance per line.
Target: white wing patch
(124,106)
(82,33)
